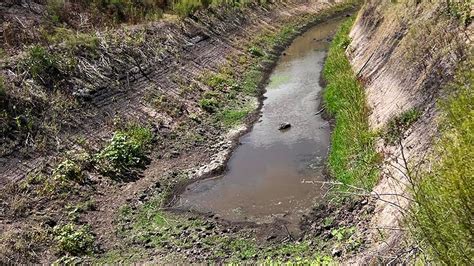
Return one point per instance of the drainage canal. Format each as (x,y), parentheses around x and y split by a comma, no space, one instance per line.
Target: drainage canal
(266,174)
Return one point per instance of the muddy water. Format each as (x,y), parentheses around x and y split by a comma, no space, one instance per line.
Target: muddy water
(268,173)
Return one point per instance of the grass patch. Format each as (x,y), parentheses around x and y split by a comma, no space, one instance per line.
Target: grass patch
(219,81)
(251,80)
(352,159)
(444,194)
(111,11)
(231,117)
(3,91)
(74,41)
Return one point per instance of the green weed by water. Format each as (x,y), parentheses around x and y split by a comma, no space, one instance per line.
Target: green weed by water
(231,117)
(352,159)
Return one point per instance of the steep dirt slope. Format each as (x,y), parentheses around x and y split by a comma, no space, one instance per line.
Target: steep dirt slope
(403,52)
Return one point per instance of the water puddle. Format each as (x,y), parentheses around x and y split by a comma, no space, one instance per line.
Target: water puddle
(268,173)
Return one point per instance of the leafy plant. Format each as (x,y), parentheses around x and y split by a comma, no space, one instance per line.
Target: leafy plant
(42,66)
(126,150)
(398,125)
(3,92)
(342,233)
(75,41)
(74,240)
(221,80)
(256,51)
(461,10)
(209,101)
(68,170)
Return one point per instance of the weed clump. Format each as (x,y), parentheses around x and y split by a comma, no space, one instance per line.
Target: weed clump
(115,11)
(74,240)
(209,102)
(126,150)
(43,66)
(352,159)
(68,170)
(397,126)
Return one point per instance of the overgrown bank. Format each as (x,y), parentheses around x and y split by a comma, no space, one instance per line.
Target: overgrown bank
(352,159)
(441,218)
(407,54)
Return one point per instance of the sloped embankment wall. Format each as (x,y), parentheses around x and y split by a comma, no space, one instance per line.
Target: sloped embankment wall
(404,53)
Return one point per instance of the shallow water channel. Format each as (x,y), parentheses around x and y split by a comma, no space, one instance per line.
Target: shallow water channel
(267,175)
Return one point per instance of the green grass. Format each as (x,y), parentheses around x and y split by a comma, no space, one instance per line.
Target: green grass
(3,92)
(74,41)
(444,194)
(186,7)
(352,159)
(231,117)
(109,11)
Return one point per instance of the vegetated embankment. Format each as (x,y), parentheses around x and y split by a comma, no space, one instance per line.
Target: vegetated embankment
(413,59)
(93,120)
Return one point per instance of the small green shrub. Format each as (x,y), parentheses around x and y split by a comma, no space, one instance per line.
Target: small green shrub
(68,171)
(342,233)
(3,92)
(461,10)
(42,66)
(129,10)
(398,125)
(55,10)
(219,80)
(74,240)
(126,150)
(116,11)
(75,41)
(186,7)
(209,101)
(210,105)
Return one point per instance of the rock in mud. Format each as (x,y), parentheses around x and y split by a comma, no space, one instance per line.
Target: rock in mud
(284,126)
